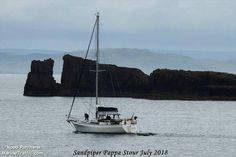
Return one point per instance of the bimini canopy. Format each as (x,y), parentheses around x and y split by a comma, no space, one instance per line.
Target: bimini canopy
(107,110)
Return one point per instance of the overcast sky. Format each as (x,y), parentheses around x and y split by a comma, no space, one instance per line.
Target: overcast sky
(146,24)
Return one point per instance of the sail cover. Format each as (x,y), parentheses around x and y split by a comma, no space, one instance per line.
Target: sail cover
(107,109)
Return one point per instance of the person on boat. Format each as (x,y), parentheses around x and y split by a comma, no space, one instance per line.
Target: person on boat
(108,117)
(86,117)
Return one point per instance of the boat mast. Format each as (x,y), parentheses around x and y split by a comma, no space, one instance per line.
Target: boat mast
(97,58)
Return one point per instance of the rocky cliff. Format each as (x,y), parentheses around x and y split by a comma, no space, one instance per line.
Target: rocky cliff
(113,80)
(117,81)
(191,85)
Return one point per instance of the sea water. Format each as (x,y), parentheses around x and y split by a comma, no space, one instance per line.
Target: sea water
(36,126)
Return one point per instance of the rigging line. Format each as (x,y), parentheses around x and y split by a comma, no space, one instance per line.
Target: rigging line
(118,84)
(112,82)
(82,70)
(90,82)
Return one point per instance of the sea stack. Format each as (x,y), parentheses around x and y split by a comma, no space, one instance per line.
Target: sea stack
(40,80)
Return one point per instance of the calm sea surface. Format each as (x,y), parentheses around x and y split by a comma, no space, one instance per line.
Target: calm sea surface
(183,128)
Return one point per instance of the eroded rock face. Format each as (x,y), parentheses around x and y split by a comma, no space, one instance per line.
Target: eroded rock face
(40,81)
(113,80)
(192,85)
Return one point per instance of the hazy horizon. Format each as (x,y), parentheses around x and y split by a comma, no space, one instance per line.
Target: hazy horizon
(196,54)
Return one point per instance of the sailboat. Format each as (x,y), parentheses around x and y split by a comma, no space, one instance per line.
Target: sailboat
(106,119)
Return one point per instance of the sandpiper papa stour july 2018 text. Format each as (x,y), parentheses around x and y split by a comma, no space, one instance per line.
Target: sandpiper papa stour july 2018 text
(117,153)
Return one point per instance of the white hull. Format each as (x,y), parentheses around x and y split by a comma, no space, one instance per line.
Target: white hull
(87,127)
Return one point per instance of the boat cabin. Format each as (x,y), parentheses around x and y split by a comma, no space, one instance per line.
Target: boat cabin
(108,114)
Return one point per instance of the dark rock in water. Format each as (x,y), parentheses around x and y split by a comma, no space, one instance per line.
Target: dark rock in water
(192,85)
(40,81)
(113,80)
(117,81)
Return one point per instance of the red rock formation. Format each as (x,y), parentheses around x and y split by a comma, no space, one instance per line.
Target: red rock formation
(129,82)
(40,81)
(113,81)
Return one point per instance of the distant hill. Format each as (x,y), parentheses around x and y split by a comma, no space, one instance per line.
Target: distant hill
(18,60)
